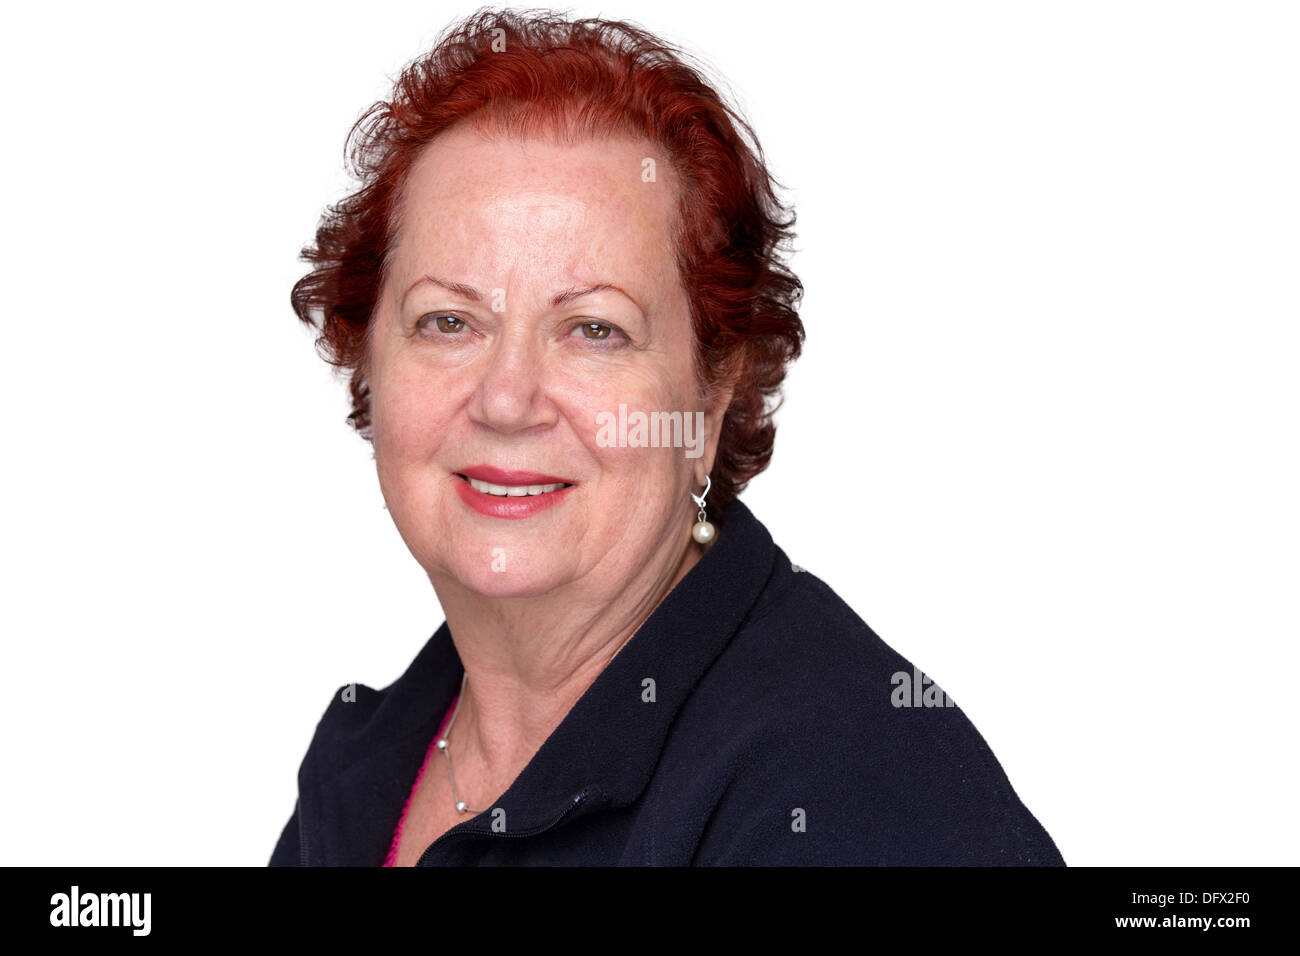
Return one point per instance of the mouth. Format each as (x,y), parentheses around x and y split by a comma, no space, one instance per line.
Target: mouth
(501,483)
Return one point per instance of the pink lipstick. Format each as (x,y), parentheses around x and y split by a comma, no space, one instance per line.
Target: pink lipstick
(501,493)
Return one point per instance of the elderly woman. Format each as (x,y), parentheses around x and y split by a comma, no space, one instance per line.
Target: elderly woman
(559,296)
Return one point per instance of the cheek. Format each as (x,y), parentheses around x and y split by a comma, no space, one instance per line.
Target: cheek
(408,420)
(587,400)
(604,416)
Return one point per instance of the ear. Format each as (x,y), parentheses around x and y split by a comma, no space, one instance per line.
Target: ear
(717,400)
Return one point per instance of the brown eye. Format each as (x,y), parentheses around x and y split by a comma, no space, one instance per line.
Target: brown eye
(594,330)
(448,323)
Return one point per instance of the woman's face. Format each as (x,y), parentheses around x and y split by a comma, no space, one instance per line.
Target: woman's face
(533,291)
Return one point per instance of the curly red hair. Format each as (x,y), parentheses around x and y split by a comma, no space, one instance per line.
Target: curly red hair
(535,73)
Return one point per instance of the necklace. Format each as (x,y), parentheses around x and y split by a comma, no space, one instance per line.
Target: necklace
(461,806)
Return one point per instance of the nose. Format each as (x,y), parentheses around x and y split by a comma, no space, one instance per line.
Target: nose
(510,395)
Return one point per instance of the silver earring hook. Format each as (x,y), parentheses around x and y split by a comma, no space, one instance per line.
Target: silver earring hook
(699,499)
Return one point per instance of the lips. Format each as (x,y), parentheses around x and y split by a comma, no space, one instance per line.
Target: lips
(511,479)
(500,493)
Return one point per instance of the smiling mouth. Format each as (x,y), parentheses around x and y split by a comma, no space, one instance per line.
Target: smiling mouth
(512,491)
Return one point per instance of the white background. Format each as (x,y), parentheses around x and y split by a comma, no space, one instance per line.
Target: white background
(1043,437)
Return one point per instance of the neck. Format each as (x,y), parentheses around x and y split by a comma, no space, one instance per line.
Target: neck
(529,659)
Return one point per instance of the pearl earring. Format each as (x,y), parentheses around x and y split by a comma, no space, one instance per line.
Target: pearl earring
(703,532)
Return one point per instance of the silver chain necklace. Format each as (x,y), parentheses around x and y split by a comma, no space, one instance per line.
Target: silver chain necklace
(461,806)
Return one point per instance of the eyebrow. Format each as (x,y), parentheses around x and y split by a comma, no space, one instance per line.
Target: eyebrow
(560,298)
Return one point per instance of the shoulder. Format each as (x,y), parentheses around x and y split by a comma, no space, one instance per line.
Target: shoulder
(360,721)
(823,744)
(335,742)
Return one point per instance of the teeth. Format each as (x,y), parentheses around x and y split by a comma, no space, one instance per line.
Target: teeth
(512,491)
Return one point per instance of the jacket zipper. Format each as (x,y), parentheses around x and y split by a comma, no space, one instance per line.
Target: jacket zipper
(578,798)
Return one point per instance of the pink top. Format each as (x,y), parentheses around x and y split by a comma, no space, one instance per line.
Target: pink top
(391,859)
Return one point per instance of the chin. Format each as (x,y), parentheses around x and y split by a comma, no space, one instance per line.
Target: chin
(506,571)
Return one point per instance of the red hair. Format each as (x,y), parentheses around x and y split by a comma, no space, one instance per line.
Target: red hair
(539,73)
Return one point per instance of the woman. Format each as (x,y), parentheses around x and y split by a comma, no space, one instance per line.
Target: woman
(559,296)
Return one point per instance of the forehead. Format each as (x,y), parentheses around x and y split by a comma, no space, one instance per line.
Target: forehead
(483,205)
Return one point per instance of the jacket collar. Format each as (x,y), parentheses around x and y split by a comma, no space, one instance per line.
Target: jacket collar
(358,772)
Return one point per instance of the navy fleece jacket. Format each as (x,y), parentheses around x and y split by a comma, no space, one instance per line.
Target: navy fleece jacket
(754,719)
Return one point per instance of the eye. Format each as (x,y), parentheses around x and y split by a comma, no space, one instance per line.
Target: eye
(444,322)
(601,332)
